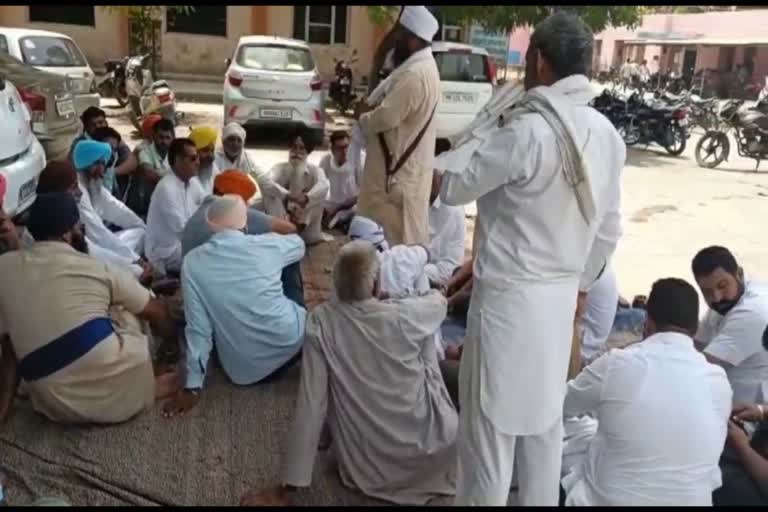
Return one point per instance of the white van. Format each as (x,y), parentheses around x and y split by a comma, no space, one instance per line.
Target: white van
(55,53)
(467,79)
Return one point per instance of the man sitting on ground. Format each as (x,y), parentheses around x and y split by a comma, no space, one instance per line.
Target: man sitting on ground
(661,411)
(205,139)
(299,191)
(61,176)
(732,331)
(233,298)
(109,136)
(98,207)
(369,369)
(344,181)
(447,234)
(70,326)
(234,156)
(198,231)
(177,197)
(94,118)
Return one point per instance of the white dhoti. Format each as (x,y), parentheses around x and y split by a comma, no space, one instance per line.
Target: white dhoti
(488,458)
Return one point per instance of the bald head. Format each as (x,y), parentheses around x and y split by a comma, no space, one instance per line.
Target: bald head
(227,213)
(356,271)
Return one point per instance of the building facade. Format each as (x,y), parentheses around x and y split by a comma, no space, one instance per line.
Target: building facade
(200,41)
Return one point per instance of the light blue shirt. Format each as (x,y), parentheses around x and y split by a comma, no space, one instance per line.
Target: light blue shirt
(233,294)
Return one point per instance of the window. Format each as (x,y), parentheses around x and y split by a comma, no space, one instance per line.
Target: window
(449,29)
(207,20)
(275,57)
(462,67)
(49,51)
(68,14)
(320,24)
(3,44)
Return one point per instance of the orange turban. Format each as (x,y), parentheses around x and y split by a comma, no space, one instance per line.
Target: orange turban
(235,182)
(148,124)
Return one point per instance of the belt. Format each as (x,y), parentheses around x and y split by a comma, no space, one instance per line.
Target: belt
(64,350)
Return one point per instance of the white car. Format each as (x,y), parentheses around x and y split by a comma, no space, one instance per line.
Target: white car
(273,81)
(55,53)
(22,158)
(467,79)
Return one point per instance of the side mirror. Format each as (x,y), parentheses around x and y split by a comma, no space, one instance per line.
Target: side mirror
(228,62)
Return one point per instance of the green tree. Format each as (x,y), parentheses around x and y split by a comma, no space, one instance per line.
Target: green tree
(145,22)
(507,17)
(685,9)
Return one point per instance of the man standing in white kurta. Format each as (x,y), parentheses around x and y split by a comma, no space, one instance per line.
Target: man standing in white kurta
(402,120)
(546,182)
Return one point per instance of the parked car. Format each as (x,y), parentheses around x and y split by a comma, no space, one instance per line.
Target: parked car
(22,158)
(273,81)
(50,102)
(467,79)
(55,53)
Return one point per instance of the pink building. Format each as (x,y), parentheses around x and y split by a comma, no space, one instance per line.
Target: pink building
(715,40)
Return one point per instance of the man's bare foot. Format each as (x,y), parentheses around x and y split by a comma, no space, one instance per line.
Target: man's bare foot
(272,497)
(167,384)
(182,402)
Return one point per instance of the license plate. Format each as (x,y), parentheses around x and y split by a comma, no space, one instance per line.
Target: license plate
(275,113)
(65,108)
(456,97)
(27,189)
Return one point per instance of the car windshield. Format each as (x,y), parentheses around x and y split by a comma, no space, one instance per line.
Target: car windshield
(274,57)
(49,51)
(461,67)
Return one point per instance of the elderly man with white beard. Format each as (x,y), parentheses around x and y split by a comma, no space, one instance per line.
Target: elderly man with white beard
(299,191)
(545,172)
(98,206)
(400,134)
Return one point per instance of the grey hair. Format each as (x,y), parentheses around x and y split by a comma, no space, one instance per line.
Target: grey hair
(356,271)
(565,42)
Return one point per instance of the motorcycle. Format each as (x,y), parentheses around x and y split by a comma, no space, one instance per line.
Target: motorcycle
(147,96)
(340,89)
(113,83)
(749,127)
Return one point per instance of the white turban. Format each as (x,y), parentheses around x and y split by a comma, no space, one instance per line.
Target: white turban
(227,213)
(233,129)
(363,228)
(420,21)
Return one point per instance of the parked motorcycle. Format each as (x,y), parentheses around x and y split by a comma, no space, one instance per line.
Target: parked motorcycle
(113,83)
(749,127)
(340,90)
(145,95)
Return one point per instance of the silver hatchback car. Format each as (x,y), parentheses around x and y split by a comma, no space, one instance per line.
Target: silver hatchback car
(273,81)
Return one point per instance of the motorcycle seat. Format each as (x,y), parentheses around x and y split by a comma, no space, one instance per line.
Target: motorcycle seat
(113,62)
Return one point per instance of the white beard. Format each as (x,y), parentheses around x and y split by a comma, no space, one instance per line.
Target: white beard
(298,171)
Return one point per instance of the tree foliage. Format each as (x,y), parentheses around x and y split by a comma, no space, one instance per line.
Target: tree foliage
(502,18)
(685,9)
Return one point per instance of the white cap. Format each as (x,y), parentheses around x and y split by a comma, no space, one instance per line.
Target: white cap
(420,21)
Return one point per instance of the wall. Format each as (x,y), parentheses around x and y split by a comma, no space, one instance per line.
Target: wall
(201,54)
(107,40)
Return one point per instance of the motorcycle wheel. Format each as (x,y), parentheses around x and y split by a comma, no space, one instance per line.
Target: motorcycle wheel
(121,95)
(712,149)
(679,138)
(629,133)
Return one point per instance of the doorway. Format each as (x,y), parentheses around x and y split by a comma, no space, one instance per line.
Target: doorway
(689,63)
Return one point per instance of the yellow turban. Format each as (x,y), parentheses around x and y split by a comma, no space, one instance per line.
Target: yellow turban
(203,136)
(235,182)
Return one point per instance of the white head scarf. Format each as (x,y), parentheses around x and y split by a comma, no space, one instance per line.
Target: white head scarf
(227,212)
(420,21)
(233,129)
(364,228)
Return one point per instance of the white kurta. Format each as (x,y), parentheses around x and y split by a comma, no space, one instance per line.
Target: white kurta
(126,245)
(344,181)
(308,179)
(599,314)
(532,246)
(245,164)
(737,339)
(662,412)
(447,235)
(207,175)
(173,203)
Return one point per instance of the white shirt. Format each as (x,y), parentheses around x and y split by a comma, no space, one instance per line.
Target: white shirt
(244,164)
(173,203)
(662,413)
(447,233)
(599,314)
(737,339)
(206,176)
(148,155)
(344,181)
(103,207)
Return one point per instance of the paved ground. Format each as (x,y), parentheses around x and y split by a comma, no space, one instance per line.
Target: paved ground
(671,207)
